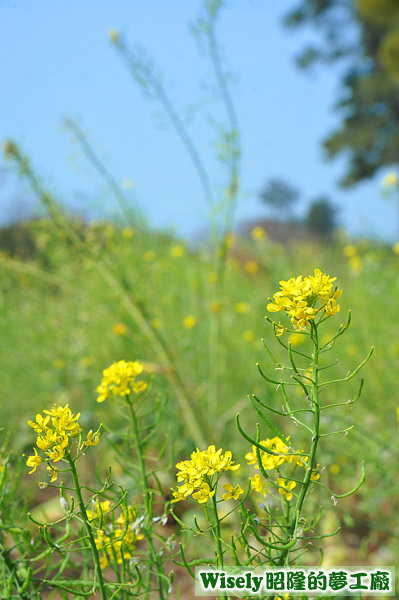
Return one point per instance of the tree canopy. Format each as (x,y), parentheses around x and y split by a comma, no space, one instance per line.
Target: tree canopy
(364,34)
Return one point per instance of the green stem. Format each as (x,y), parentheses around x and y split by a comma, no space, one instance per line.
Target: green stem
(84,516)
(148,504)
(217,537)
(315,440)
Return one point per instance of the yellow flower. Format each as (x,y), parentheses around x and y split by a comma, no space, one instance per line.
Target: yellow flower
(120,380)
(203,494)
(232,493)
(189,322)
(93,438)
(269,461)
(390,180)
(99,509)
(296,339)
(156,323)
(113,36)
(315,474)
(177,251)
(215,307)
(119,329)
(355,263)
(242,307)
(34,461)
(58,364)
(258,233)
(149,255)
(196,474)
(298,298)
(395,248)
(127,233)
(350,250)
(248,335)
(212,277)
(285,488)
(335,469)
(251,267)
(258,485)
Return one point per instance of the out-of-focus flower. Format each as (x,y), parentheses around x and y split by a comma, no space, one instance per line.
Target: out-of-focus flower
(119,329)
(258,233)
(189,322)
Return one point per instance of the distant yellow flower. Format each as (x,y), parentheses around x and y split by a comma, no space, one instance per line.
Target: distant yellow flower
(355,264)
(390,180)
(156,323)
(149,256)
(127,233)
(335,469)
(242,307)
(286,487)
(248,335)
(296,339)
(251,267)
(258,233)
(120,380)
(257,484)
(215,306)
(119,329)
(232,493)
(350,250)
(395,248)
(113,36)
(177,251)
(212,277)
(86,361)
(351,350)
(189,322)
(58,364)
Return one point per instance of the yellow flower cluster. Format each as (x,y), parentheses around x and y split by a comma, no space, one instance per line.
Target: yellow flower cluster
(298,297)
(54,430)
(272,461)
(117,537)
(120,379)
(197,475)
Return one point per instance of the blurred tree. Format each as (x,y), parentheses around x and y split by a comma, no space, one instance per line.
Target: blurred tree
(365,33)
(280,196)
(321,218)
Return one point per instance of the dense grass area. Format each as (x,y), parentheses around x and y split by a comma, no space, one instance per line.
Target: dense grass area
(66,314)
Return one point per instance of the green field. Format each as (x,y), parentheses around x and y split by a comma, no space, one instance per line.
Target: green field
(68,312)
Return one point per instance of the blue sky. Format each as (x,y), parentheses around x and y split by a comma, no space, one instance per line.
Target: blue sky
(57,62)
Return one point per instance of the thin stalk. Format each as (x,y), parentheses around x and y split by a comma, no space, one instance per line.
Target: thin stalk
(84,516)
(155,559)
(315,440)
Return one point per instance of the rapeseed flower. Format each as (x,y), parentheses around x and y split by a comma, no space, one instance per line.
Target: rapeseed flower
(232,492)
(197,474)
(120,380)
(285,487)
(298,298)
(189,322)
(258,233)
(257,484)
(54,431)
(117,537)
